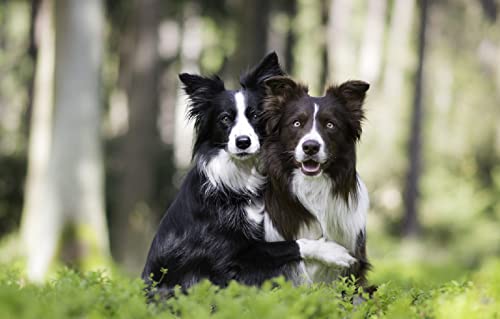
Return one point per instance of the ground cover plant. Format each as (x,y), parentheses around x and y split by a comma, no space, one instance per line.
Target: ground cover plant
(417,291)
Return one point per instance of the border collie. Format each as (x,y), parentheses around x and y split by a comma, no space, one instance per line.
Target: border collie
(214,228)
(310,155)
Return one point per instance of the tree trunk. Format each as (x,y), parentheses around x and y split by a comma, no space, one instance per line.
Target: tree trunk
(394,87)
(38,233)
(76,166)
(133,218)
(309,45)
(253,27)
(291,11)
(189,56)
(373,40)
(411,225)
(70,215)
(398,57)
(490,9)
(3,24)
(32,53)
(340,42)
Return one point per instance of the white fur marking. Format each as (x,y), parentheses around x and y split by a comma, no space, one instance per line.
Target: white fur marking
(324,253)
(341,222)
(314,135)
(242,127)
(222,170)
(255,212)
(270,232)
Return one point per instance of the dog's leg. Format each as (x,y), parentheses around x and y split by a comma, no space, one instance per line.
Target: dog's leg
(264,260)
(328,252)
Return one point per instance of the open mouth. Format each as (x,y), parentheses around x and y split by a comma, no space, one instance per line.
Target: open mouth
(310,167)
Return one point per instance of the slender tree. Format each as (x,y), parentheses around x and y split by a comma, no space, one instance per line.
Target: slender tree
(340,43)
(132,218)
(290,9)
(189,55)
(253,25)
(398,51)
(309,44)
(34,216)
(373,40)
(411,225)
(391,98)
(32,53)
(70,221)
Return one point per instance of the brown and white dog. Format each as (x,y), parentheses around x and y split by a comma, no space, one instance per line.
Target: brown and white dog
(309,154)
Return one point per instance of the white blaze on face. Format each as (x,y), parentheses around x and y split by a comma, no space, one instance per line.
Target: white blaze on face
(242,127)
(314,135)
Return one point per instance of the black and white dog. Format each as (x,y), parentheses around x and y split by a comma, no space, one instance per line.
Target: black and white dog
(214,229)
(310,155)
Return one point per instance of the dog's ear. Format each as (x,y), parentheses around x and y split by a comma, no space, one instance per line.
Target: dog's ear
(351,92)
(280,90)
(268,67)
(352,95)
(201,91)
(196,85)
(280,86)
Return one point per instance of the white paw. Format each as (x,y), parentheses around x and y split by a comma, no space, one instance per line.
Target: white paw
(327,252)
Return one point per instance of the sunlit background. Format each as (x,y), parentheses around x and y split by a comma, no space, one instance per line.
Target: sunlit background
(94,141)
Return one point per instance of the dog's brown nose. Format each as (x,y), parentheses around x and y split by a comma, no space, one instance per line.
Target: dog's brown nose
(310,147)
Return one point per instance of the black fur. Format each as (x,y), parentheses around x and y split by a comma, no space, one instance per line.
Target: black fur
(206,233)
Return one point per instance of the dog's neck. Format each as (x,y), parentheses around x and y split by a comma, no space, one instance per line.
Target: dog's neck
(226,173)
(233,189)
(291,197)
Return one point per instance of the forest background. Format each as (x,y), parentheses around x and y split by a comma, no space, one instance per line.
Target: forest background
(94,141)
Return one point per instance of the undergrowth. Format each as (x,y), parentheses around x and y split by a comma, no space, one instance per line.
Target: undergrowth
(97,295)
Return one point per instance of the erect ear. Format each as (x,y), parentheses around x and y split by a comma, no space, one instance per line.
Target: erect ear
(352,95)
(280,90)
(352,92)
(196,84)
(200,90)
(284,87)
(269,66)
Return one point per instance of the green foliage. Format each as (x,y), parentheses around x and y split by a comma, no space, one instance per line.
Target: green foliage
(98,295)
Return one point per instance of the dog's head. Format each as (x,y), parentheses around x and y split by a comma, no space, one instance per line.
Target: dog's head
(227,119)
(315,133)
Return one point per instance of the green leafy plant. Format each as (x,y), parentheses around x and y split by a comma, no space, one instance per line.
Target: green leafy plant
(72,294)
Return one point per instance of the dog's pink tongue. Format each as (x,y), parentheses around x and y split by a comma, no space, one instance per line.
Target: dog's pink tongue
(310,167)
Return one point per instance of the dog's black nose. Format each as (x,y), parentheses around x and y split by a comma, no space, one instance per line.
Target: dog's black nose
(243,142)
(310,147)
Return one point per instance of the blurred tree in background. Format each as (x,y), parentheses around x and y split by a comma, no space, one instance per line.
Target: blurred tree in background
(64,210)
(96,95)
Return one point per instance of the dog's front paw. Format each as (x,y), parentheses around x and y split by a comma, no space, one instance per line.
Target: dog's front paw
(327,252)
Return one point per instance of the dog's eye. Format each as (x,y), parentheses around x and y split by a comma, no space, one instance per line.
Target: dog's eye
(296,124)
(255,116)
(226,120)
(330,125)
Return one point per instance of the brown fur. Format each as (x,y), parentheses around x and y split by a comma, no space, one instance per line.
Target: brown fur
(286,212)
(287,100)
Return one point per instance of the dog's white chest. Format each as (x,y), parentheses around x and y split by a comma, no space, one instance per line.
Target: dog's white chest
(336,219)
